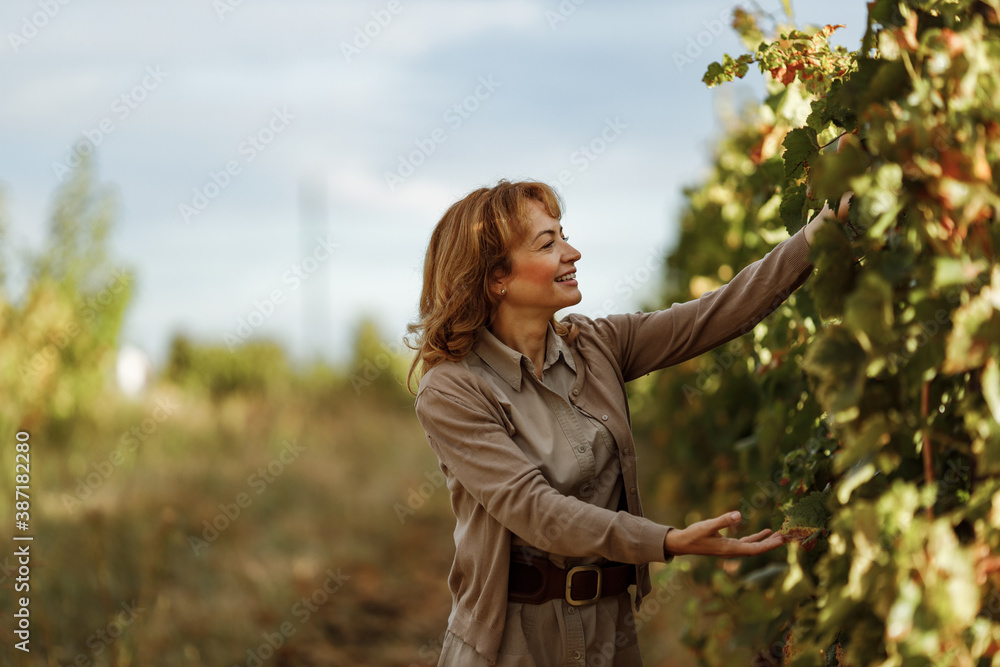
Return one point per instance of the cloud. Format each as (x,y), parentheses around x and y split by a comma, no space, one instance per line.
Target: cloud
(560,81)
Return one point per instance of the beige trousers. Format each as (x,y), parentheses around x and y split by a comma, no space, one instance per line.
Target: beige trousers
(557,634)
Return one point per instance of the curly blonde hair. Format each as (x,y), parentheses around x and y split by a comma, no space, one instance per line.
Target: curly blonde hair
(471,247)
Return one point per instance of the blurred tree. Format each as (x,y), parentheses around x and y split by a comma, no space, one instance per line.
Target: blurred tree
(378,367)
(58,344)
(256,367)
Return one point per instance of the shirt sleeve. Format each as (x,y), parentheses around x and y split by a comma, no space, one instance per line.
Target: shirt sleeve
(645,342)
(472,439)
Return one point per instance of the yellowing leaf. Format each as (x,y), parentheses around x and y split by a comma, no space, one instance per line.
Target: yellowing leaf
(853,481)
(991,387)
(950,271)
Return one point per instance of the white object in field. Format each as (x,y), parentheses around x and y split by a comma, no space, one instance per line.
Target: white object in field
(133,370)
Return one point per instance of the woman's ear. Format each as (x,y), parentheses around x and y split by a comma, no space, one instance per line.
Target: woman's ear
(497,284)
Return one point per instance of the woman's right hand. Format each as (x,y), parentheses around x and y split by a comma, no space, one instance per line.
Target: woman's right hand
(703,538)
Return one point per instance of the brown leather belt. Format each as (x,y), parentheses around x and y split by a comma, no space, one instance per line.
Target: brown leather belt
(538,580)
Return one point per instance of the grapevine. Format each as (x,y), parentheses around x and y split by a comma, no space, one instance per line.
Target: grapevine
(861,418)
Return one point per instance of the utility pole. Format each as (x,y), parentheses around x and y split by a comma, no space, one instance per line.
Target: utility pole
(315,297)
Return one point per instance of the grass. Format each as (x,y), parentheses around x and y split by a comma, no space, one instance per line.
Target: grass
(119,577)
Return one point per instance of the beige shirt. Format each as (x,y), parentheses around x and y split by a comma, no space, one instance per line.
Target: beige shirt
(574,451)
(578,457)
(506,459)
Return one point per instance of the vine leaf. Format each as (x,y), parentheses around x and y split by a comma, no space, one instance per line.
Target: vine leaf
(807,516)
(793,203)
(800,147)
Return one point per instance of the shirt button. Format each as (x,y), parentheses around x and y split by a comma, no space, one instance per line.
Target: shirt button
(583,449)
(632,490)
(576,655)
(604,417)
(576,392)
(625,451)
(571,610)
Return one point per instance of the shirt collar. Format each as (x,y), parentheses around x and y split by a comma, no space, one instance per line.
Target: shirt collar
(506,362)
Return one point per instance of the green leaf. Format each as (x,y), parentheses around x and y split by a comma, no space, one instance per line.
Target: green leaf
(891,81)
(831,172)
(832,109)
(837,363)
(800,147)
(792,209)
(809,512)
(714,75)
(868,310)
(835,273)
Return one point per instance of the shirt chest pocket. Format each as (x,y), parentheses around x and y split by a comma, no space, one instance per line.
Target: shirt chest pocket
(598,432)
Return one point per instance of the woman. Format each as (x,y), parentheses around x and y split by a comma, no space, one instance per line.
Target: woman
(530,421)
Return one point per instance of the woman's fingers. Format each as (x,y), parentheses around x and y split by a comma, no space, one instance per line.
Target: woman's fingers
(728,520)
(771,542)
(844,208)
(704,538)
(756,537)
(758,543)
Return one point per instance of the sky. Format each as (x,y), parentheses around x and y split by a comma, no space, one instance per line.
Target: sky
(278,166)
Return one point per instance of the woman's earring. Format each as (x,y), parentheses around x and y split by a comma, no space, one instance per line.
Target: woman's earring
(503,290)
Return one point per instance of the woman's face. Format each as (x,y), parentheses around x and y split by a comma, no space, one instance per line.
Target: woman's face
(543,275)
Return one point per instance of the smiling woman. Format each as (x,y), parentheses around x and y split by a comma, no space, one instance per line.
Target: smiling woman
(529,419)
(544,282)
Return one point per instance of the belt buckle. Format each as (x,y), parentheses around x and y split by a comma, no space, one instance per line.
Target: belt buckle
(569,585)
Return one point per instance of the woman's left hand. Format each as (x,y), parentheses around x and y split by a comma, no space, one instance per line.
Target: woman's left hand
(703,538)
